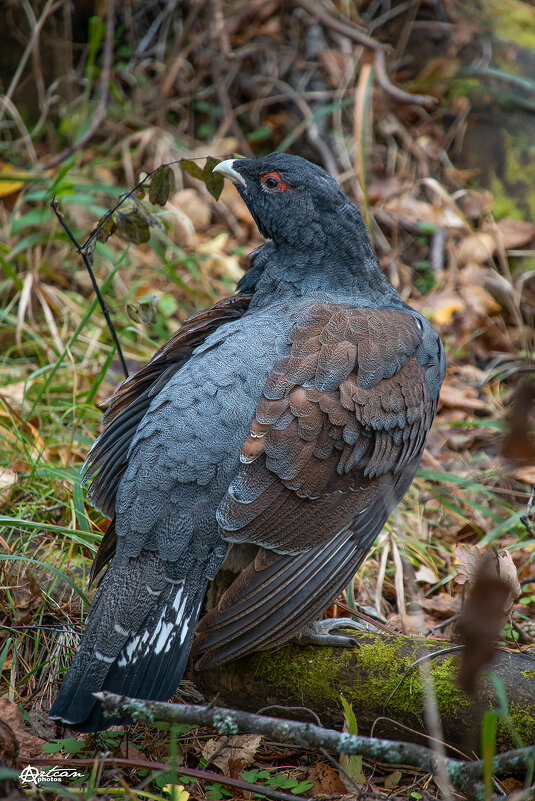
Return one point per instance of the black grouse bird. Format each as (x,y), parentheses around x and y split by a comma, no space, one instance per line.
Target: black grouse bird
(271,436)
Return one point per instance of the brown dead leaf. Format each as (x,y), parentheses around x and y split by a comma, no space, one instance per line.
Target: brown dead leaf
(194,206)
(232,754)
(461,398)
(476,249)
(470,561)
(469,558)
(474,289)
(412,212)
(326,781)
(15,393)
(509,575)
(476,203)
(441,306)
(442,605)
(526,474)
(514,234)
(28,744)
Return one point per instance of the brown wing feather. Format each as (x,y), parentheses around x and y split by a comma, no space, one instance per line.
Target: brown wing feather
(334,445)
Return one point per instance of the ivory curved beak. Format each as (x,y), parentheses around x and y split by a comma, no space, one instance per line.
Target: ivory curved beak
(226,168)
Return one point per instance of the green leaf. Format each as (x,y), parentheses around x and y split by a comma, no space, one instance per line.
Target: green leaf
(302,787)
(161,185)
(349,716)
(488,748)
(69,744)
(351,764)
(213,181)
(133,226)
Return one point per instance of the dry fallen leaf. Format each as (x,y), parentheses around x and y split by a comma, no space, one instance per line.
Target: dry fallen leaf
(514,234)
(476,248)
(217,262)
(469,558)
(470,561)
(442,605)
(194,206)
(441,306)
(8,480)
(519,442)
(509,575)
(232,755)
(425,575)
(326,781)
(28,744)
(461,398)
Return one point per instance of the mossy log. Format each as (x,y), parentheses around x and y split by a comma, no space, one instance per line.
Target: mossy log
(382,680)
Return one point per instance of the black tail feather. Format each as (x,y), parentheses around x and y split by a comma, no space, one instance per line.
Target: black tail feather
(137,642)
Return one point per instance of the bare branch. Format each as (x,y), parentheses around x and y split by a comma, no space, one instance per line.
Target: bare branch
(463,776)
(354,33)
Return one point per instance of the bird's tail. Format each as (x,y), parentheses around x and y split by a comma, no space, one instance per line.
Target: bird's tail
(136,642)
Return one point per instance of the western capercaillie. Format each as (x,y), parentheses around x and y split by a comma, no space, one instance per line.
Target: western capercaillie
(272,435)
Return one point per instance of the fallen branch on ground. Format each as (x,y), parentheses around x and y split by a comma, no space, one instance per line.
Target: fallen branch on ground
(464,776)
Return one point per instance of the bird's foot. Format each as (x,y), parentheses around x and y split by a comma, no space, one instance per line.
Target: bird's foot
(320,632)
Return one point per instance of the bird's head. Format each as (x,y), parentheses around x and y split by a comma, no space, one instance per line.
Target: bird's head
(291,200)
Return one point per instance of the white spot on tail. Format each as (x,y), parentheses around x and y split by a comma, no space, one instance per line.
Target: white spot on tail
(103,658)
(120,630)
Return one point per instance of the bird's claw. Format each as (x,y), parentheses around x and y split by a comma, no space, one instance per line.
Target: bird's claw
(319,632)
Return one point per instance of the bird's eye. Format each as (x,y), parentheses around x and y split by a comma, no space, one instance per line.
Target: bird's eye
(272,182)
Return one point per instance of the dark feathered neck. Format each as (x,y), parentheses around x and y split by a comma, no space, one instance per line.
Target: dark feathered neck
(332,258)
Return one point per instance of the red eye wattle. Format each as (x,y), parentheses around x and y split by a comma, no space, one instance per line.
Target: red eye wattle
(273,183)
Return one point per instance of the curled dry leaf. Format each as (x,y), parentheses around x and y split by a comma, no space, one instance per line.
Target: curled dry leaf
(509,575)
(470,566)
(441,306)
(232,754)
(28,745)
(469,558)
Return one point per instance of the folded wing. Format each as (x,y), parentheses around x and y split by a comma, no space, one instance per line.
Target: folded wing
(333,447)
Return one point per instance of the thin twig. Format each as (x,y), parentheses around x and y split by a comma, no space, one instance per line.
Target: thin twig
(206,775)
(100,111)
(350,30)
(525,519)
(36,31)
(83,253)
(462,775)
